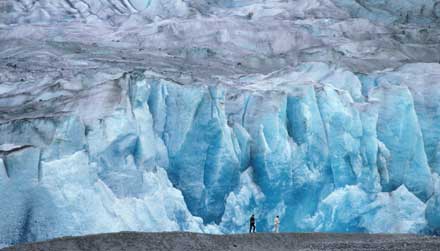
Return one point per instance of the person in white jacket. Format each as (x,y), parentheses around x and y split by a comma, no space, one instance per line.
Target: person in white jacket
(276,224)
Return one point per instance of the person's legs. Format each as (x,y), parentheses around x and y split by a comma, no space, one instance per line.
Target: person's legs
(253,228)
(277,228)
(250,228)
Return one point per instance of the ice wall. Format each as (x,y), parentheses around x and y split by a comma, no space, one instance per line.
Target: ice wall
(160,115)
(62,177)
(302,143)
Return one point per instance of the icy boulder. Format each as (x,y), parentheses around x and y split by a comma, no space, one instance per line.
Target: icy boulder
(341,210)
(350,209)
(397,212)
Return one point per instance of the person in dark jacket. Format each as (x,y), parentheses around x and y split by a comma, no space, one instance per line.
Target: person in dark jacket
(252,224)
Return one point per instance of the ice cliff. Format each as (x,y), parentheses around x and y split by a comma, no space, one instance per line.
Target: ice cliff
(191,115)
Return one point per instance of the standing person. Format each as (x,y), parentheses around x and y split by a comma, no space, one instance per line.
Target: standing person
(252,224)
(276,224)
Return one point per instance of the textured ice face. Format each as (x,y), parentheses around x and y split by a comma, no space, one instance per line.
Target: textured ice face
(193,115)
(169,153)
(69,178)
(351,209)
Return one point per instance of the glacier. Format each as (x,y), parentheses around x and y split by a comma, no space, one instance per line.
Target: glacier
(172,115)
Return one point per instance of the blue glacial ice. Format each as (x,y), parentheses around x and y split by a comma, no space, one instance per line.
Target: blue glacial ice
(203,158)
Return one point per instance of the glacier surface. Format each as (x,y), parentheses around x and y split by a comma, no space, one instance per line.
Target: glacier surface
(173,115)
